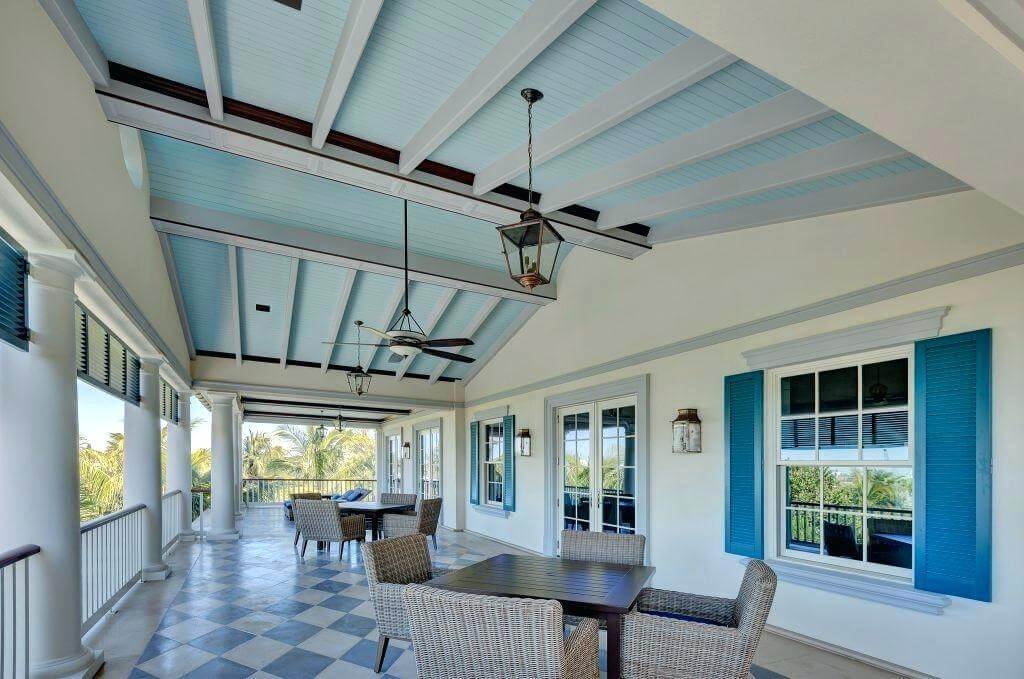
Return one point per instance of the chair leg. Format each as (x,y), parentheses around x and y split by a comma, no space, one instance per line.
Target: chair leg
(434,538)
(304,543)
(296,536)
(382,649)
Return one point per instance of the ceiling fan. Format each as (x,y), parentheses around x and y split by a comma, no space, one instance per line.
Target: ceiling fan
(405,336)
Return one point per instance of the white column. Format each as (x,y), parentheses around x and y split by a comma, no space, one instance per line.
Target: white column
(39,485)
(179,463)
(222,476)
(237,422)
(142,466)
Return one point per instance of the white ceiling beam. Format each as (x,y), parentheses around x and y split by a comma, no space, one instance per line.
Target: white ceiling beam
(471,329)
(1000,23)
(391,309)
(206,50)
(922,183)
(182,219)
(515,326)
(339,316)
(179,302)
(362,14)
(539,26)
(775,116)
(690,62)
(841,156)
(72,27)
(236,309)
(178,119)
(428,327)
(289,307)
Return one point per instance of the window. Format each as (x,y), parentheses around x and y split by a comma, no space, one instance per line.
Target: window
(843,459)
(394,449)
(428,446)
(493,466)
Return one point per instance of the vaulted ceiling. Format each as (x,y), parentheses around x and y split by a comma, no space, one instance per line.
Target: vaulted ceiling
(280,141)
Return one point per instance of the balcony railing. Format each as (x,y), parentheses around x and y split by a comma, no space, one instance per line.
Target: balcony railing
(805,531)
(14,637)
(111,561)
(171,526)
(272,490)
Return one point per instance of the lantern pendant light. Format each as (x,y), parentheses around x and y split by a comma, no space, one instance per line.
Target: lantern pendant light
(530,245)
(359,379)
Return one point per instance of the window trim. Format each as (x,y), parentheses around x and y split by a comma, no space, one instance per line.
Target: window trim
(418,457)
(389,467)
(483,463)
(774,513)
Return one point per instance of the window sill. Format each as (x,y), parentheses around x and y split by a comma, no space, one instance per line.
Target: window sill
(860,586)
(491,511)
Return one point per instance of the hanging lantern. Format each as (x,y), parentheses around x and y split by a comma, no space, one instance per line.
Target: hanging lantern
(407,451)
(359,379)
(686,431)
(530,245)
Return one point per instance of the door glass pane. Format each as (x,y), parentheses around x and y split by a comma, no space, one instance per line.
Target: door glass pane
(610,464)
(798,394)
(837,437)
(627,514)
(885,384)
(797,439)
(838,389)
(576,471)
(627,420)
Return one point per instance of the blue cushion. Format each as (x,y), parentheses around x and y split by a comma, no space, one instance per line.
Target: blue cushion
(688,618)
(288,504)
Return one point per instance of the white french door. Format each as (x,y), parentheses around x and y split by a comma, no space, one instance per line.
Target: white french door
(597,465)
(428,446)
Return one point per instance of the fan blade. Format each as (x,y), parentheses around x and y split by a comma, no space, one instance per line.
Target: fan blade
(354,344)
(395,358)
(449,355)
(376,332)
(450,342)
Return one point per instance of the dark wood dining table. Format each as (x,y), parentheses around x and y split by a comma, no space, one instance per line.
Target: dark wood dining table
(586,588)
(375,510)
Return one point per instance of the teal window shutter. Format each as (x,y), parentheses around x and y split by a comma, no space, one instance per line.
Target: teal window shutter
(953,465)
(744,464)
(508,429)
(13,284)
(474,463)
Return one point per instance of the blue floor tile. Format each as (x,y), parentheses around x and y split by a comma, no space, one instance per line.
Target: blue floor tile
(292,632)
(286,608)
(762,673)
(331,586)
(136,673)
(173,617)
(355,625)
(364,653)
(321,573)
(221,640)
(229,594)
(220,668)
(157,645)
(226,614)
(340,602)
(298,664)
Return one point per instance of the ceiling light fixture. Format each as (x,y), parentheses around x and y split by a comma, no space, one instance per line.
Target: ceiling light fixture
(530,245)
(359,379)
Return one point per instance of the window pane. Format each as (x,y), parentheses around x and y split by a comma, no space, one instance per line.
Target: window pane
(797,439)
(610,422)
(843,535)
(610,464)
(803,530)
(583,426)
(837,437)
(886,436)
(843,487)
(629,480)
(629,452)
(891,540)
(885,384)
(838,390)
(798,394)
(609,511)
(627,420)
(627,514)
(803,486)
(890,488)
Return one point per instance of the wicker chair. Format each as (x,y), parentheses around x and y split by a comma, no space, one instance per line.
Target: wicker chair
(471,635)
(423,521)
(319,520)
(391,564)
(584,545)
(665,638)
(398,498)
(289,512)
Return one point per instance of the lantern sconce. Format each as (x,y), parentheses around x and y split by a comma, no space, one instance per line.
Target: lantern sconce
(686,431)
(523,442)
(407,451)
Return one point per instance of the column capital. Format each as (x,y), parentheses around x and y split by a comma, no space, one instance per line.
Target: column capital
(151,364)
(221,398)
(59,270)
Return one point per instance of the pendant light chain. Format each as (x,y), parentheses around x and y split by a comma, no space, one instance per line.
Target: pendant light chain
(405,242)
(529,153)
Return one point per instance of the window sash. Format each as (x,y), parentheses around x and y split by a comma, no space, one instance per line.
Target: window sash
(492,471)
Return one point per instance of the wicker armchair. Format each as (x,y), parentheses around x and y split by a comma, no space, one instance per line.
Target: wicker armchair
(289,512)
(665,638)
(319,520)
(424,521)
(470,635)
(398,498)
(584,545)
(391,564)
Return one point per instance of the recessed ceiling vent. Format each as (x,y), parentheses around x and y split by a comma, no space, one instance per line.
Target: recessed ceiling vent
(294,4)
(263,307)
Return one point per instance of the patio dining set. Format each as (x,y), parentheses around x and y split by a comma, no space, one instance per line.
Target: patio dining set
(527,616)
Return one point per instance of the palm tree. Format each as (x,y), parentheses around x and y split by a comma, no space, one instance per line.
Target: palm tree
(263,458)
(315,447)
(101,472)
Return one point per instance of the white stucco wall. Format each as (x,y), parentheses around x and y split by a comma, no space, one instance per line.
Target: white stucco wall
(608,308)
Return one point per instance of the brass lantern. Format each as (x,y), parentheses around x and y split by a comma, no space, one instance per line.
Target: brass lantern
(686,431)
(530,245)
(360,378)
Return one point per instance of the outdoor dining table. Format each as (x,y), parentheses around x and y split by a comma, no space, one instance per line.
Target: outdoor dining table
(375,510)
(585,588)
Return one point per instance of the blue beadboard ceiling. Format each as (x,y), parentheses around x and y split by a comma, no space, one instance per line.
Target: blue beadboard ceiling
(414,60)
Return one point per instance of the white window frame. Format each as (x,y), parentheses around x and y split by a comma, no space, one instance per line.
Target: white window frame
(775,511)
(483,450)
(395,462)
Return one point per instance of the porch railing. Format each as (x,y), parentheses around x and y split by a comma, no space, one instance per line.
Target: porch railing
(171,526)
(272,490)
(111,561)
(14,637)
(805,531)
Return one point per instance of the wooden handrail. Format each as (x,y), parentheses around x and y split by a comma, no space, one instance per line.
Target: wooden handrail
(18,554)
(110,518)
(167,495)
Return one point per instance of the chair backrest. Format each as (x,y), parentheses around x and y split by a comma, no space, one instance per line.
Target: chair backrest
(584,545)
(754,602)
(398,498)
(318,519)
(428,515)
(470,635)
(305,496)
(399,561)
(840,540)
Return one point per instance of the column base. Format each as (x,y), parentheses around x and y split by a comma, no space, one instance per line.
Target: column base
(238,516)
(84,666)
(223,536)
(187,536)
(155,572)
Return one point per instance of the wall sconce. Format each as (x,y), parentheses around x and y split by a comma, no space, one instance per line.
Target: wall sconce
(407,451)
(686,431)
(523,442)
